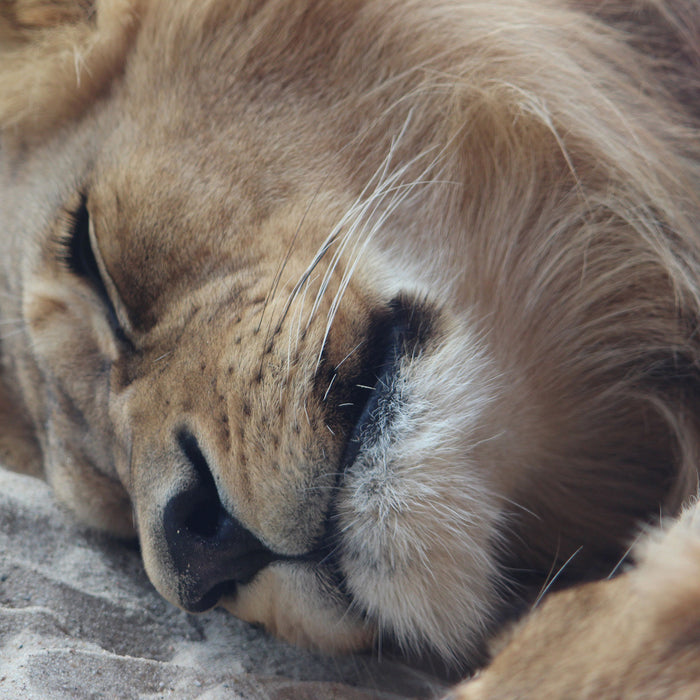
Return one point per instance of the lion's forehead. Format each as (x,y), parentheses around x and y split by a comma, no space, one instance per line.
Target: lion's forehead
(170,236)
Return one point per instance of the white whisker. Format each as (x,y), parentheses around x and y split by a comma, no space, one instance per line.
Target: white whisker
(624,556)
(354,350)
(163,356)
(325,396)
(550,583)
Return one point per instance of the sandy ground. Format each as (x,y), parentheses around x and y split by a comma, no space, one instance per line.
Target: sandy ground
(79,619)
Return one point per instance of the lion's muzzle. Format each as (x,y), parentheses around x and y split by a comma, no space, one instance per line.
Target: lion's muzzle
(211,551)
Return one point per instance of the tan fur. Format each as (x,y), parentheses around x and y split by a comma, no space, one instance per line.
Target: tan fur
(58,56)
(276,189)
(635,636)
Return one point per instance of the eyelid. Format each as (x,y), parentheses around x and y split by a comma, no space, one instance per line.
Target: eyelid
(83,260)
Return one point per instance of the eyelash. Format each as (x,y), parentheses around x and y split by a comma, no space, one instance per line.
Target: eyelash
(80,259)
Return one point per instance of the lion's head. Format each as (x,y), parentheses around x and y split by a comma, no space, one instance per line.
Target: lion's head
(362,315)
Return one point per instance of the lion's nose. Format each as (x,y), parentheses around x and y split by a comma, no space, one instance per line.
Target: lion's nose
(212,552)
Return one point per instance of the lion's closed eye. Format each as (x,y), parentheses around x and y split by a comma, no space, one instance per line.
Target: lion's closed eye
(78,253)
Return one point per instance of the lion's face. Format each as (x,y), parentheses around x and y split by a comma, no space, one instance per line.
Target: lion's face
(269,325)
(220,344)
(282,426)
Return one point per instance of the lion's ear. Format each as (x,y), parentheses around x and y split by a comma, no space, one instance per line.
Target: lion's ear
(57,56)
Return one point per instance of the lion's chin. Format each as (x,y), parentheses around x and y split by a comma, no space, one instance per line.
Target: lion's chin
(293,602)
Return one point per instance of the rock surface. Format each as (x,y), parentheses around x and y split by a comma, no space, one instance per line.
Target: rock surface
(79,619)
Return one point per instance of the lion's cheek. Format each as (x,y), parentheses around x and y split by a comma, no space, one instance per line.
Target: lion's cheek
(291,604)
(70,336)
(73,350)
(426,580)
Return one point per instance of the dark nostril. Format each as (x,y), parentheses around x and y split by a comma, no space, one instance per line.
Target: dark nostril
(201,512)
(211,551)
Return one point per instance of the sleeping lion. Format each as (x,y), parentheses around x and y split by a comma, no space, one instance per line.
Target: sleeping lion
(373,320)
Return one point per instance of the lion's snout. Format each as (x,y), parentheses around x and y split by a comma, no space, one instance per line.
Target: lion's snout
(233,473)
(211,551)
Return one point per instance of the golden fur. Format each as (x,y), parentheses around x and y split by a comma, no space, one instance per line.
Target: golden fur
(635,636)
(364,316)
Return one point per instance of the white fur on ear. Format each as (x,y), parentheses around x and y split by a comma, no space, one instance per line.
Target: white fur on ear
(56,56)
